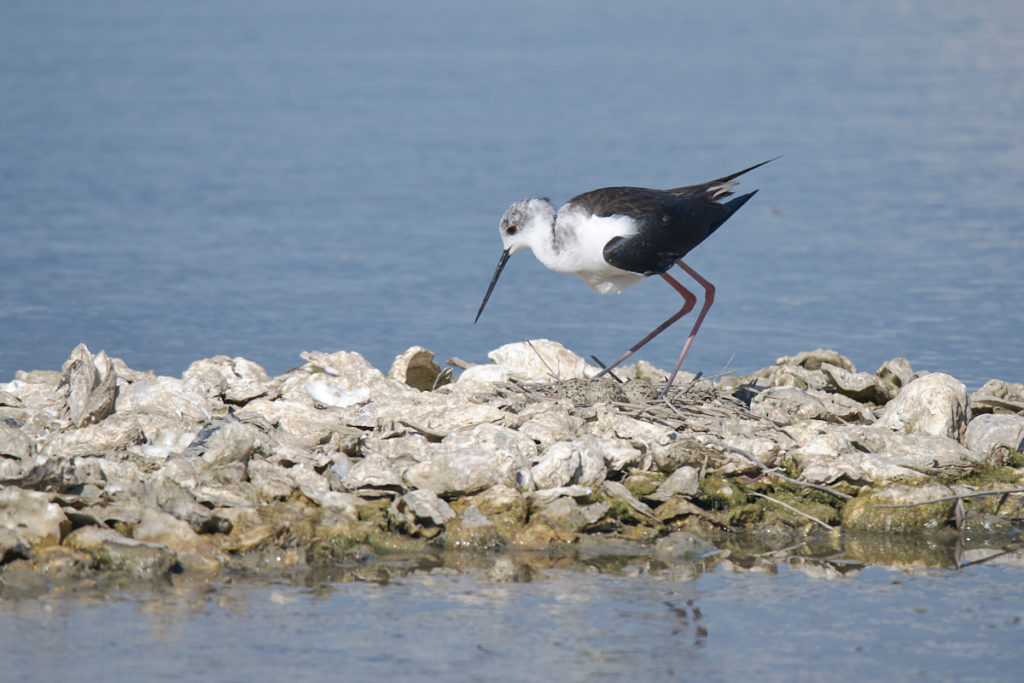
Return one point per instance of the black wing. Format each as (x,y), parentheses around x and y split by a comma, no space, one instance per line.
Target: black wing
(669,232)
(670,222)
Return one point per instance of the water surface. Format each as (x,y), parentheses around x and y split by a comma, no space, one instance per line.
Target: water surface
(180,180)
(875,625)
(189,179)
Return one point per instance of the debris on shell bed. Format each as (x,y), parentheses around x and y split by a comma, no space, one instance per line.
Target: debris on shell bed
(105,468)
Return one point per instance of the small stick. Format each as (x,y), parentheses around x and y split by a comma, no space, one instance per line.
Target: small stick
(722,373)
(790,508)
(542,360)
(422,430)
(727,364)
(605,367)
(976,494)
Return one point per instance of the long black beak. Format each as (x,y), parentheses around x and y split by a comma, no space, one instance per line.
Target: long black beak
(494,280)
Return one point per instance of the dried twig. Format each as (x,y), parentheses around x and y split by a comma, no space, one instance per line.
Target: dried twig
(1013,548)
(429,433)
(542,360)
(944,499)
(604,367)
(722,373)
(790,508)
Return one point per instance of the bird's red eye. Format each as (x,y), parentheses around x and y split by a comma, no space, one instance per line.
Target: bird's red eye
(511,230)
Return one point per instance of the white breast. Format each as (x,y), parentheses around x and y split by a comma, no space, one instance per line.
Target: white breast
(579,248)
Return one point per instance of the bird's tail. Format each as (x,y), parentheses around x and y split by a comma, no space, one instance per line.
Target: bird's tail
(719,188)
(735,204)
(737,174)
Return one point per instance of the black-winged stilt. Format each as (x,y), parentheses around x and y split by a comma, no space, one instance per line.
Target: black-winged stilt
(616,236)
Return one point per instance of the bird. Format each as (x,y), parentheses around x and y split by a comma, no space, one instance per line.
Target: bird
(614,237)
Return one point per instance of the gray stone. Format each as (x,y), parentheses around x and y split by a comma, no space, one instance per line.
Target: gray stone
(616,425)
(236,380)
(813,360)
(472,530)
(416,367)
(995,434)
(795,376)
(591,452)
(31,515)
(682,451)
(873,454)
(507,445)
(843,409)
(346,371)
(33,399)
(163,493)
(552,425)
(933,404)
(620,456)
(272,482)
(12,546)
(785,405)
(893,376)
(685,481)
(998,395)
(195,552)
(372,472)
(92,386)
(566,513)
(539,360)
(426,506)
(542,497)
(222,442)
(113,551)
(466,471)
(617,490)
(326,392)
(110,438)
(556,466)
(13,443)
(861,386)
(185,402)
(482,377)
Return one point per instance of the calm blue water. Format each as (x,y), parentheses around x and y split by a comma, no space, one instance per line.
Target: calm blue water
(878,626)
(179,180)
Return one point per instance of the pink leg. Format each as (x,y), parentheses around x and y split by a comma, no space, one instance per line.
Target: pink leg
(709,298)
(689,300)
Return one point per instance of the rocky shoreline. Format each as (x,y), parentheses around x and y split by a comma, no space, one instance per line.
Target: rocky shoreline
(105,470)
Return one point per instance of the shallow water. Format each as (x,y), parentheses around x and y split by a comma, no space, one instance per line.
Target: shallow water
(183,180)
(873,625)
(180,180)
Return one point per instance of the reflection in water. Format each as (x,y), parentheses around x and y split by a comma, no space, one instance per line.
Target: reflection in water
(519,616)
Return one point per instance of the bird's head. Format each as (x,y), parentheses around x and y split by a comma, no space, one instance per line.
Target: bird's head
(524,222)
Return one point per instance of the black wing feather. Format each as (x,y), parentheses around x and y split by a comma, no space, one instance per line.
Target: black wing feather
(672,222)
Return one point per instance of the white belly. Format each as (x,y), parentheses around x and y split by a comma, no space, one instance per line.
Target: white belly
(610,280)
